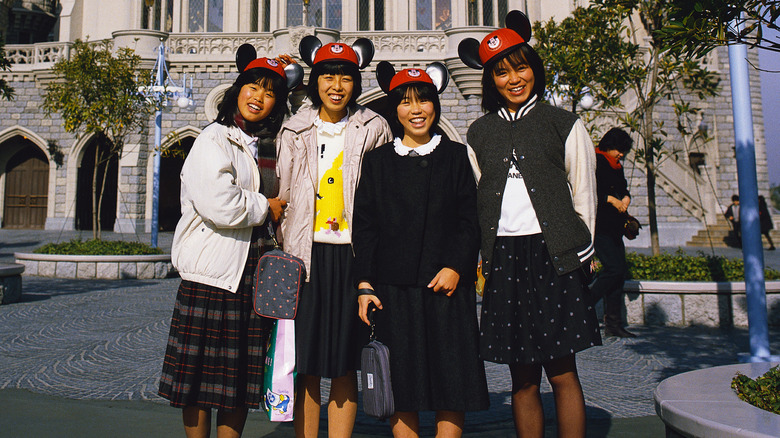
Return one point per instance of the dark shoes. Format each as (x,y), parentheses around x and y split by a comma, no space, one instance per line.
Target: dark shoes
(618,332)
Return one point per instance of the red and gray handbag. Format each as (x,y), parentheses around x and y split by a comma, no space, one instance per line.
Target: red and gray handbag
(278,281)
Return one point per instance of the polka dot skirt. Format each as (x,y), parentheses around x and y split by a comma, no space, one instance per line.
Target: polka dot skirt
(529,313)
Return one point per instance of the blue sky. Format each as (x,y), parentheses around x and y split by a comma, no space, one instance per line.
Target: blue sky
(770,96)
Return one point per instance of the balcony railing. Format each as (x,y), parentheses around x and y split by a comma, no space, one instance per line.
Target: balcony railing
(221,47)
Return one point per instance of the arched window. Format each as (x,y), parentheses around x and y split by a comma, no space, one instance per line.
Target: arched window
(319,13)
(434,14)
(371,15)
(158,15)
(205,16)
(487,12)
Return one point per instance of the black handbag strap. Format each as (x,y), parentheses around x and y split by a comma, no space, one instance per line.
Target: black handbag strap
(272,234)
(371,311)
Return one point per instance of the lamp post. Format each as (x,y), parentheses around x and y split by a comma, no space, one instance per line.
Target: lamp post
(752,248)
(161,90)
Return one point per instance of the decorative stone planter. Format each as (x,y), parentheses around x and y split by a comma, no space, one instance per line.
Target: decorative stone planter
(701,403)
(714,304)
(10,282)
(96,267)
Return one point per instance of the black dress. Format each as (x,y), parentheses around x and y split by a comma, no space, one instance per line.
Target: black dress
(413,217)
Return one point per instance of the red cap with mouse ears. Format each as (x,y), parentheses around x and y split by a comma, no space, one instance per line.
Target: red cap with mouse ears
(497,43)
(313,52)
(435,74)
(246,59)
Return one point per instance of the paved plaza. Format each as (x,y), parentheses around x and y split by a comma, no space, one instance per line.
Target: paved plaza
(83,357)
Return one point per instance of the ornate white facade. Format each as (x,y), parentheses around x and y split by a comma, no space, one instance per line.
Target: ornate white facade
(201,37)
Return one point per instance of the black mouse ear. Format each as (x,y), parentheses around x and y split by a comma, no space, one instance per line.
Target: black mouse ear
(384,74)
(518,22)
(468,51)
(308,48)
(245,54)
(364,49)
(294,73)
(439,75)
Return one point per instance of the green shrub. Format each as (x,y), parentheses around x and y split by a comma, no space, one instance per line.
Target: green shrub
(764,392)
(683,267)
(98,247)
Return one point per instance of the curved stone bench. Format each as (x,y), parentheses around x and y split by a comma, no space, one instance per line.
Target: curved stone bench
(10,282)
(96,267)
(701,403)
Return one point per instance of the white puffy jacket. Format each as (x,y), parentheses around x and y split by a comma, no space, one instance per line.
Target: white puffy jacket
(220,204)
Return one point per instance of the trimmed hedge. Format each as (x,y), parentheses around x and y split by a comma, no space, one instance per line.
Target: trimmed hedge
(98,247)
(764,392)
(683,267)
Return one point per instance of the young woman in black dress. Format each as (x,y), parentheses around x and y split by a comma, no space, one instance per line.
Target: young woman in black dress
(537,205)
(416,239)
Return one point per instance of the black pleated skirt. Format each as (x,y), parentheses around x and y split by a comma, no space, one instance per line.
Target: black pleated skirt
(530,314)
(328,331)
(433,341)
(216,347)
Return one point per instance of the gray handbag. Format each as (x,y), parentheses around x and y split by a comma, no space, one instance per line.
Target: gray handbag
(375,377)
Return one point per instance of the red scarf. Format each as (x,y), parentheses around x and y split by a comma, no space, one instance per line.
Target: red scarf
(613,162)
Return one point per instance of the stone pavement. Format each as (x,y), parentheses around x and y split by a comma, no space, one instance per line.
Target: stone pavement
(83,357)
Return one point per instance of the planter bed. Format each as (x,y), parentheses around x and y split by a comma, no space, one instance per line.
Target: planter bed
(714,304)
(701,403)
(96,267)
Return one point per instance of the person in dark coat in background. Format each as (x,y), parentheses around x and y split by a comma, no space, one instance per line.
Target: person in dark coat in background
(766,221)
(613,202)
(732,214)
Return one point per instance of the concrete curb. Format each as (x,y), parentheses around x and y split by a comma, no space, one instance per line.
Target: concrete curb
(96,267)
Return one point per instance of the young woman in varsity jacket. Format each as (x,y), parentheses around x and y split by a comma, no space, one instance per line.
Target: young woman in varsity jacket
(215,353)
(537,206)
(416,239)
(319,151)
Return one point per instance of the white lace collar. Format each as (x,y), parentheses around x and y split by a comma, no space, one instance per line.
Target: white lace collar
(424,149)
(330,128)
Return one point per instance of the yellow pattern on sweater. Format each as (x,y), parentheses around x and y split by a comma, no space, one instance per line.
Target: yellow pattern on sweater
(329,206)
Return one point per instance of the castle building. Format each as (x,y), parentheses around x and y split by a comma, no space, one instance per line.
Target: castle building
(41,190)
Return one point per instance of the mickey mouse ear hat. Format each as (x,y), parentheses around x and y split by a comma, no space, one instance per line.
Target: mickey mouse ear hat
(313,52)
(497,43)
(246,59)
(435,74)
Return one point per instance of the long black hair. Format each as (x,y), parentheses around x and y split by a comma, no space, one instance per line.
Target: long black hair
(422,91)
(334,68)
(268,127)
(523,54)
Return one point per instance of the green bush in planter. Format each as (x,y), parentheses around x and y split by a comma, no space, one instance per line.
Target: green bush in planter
(764,392)
(98,247)
(683,267)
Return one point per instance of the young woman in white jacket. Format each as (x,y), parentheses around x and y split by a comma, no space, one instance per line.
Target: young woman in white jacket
(215,353)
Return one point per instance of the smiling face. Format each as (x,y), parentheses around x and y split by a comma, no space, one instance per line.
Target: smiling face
(335,91)
(417,115)
(256,100)
(514,82)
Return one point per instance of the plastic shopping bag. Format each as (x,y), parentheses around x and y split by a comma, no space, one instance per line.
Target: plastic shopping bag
(279,378)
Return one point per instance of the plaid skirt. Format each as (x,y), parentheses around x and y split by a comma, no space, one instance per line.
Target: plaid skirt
(216,347)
